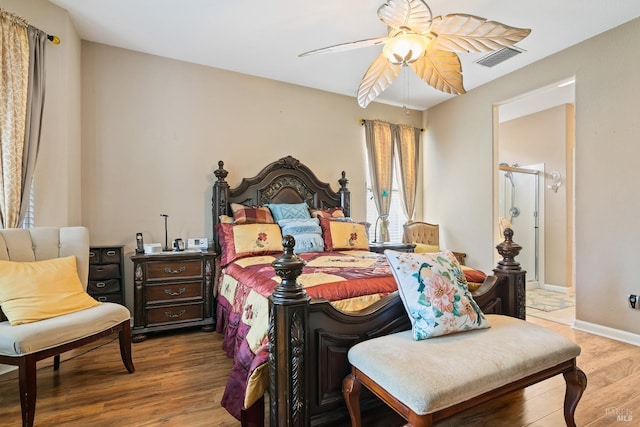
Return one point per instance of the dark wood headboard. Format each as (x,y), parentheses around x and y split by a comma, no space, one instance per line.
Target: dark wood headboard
(286,180)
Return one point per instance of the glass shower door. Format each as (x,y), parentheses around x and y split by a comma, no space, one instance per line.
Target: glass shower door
(519,203)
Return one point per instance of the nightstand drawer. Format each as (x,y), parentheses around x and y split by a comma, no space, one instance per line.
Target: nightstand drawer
(163,270)
(173,292)
(107,286)
(104,271)
(174,314)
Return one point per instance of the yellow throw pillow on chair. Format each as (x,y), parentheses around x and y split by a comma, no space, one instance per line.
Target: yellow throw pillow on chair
(32,291)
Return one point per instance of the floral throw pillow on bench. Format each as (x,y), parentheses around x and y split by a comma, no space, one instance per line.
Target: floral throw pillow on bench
(434,291)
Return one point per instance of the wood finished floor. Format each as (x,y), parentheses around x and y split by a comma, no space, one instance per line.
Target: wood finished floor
(180,379)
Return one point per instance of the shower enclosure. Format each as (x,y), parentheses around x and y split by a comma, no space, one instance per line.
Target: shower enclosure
(519,205)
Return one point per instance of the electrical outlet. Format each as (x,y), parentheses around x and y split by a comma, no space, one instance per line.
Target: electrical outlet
(633,301)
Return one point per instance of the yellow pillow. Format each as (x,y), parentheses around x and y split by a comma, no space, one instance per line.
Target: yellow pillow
(424,248)
(32,291)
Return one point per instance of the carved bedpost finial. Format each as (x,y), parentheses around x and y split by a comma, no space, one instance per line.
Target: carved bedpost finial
(289,267)
(343,181)
(221,173)
(509,250)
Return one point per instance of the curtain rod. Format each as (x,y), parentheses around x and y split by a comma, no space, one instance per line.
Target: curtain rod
(362,123)
(21,21)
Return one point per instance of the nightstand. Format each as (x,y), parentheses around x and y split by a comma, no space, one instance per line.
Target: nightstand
(381,247)
(172,290)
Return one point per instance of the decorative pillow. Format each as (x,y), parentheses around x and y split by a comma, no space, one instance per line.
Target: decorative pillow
(32,291)
(424,248)
(289,210)
(342,235)
(243,240)
(306,232)
(226,219)
(308,242)
(251,214)
(327,213)
(473,275)
(435,294)
(297,226)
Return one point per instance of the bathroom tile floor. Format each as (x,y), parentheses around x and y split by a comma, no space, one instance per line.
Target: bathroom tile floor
(554,306)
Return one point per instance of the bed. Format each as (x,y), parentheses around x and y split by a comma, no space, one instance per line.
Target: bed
(284,316)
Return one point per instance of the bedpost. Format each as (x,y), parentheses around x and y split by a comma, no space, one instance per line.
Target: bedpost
(345,194)
(508,269)
(288,319)
(219,200)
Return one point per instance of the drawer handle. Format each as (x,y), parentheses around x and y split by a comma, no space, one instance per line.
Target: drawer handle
(102,299)
(100,285)
(180,269)
(174,315)
(175,294)
(111,253)
(92,254)
(100,269)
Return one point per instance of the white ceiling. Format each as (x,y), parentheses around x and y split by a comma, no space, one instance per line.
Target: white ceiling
(264,39)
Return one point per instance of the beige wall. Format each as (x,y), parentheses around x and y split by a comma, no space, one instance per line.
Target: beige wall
(57,176)
(461,159)
(154,129)
(542,138)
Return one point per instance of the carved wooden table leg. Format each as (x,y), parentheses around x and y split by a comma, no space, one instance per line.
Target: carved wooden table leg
(351,388)
(576,384)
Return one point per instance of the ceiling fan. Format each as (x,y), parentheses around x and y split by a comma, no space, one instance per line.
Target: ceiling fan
(427,44)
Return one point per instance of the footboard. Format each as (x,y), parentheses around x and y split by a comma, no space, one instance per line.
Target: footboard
(309,339)
(330,335)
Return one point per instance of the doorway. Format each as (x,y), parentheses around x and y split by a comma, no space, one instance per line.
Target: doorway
(534,143)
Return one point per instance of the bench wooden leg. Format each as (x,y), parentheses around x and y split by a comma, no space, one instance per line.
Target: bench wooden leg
(351,388)
(576,384)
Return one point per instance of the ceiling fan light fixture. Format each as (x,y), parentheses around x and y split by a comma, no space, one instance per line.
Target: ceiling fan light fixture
(405,48)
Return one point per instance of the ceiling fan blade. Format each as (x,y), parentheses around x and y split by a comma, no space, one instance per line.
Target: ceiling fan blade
(414,15)
(347,46)
(441,70)
(379,76)
(468,33)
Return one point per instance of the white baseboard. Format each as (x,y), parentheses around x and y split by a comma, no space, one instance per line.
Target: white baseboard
(555,288)
(4,369)
(604,331)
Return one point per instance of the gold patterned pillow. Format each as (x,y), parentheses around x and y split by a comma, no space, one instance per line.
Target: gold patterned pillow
(243,240)
(343,235)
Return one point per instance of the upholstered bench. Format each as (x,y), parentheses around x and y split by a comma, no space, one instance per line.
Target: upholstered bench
(429,380)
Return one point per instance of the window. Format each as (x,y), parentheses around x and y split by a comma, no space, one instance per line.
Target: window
(397,217)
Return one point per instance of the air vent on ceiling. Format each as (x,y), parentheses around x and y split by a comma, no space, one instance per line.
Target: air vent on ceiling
(499,56)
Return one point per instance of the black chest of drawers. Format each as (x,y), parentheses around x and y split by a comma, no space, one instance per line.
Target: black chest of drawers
(106,273)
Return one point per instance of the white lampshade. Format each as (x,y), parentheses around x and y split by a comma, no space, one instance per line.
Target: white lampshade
(405,48)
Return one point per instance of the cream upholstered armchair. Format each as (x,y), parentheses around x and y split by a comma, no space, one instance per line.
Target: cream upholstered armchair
(32,331)
(426,238)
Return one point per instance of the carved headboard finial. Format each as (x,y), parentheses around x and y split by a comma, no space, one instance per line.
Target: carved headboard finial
(343,181)
(289,162)
(220,173)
